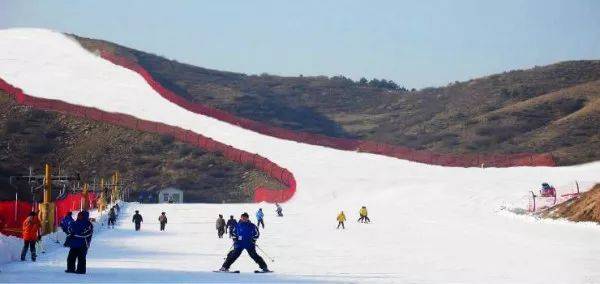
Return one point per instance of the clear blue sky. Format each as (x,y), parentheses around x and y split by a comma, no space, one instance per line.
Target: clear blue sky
(415,43)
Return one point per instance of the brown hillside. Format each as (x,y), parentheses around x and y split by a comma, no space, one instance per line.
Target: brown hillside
(585,208)
(30,137)
(544,109)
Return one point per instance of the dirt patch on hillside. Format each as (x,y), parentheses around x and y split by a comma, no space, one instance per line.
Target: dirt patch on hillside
(584,208)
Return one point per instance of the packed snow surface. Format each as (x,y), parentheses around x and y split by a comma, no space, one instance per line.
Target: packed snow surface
(430,224)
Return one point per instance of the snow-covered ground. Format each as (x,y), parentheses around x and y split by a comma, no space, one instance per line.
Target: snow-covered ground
(430,224)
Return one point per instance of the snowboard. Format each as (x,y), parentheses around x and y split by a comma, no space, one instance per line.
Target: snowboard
(230,271)
(260,271)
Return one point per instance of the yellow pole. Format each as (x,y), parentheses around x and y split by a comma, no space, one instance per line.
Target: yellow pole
(46,208)
(85,202)
(102,200)
(117,191)
(113,198)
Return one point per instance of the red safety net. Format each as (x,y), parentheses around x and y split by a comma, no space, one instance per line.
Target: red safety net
(12,215)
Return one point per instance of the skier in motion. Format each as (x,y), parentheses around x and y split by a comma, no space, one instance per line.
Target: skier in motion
(245,236)
(220,226)
(260,218)
(341,218)
(231,223)
(363,215)
(137,219)
(279,210)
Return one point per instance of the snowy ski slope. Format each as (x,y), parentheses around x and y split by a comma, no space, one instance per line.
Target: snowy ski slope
(431,224)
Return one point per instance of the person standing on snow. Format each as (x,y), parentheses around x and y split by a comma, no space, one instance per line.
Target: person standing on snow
(31,232)
(341,218)
(279,210)
(260,218)
(220,226)
(363,215)
(162,219)
(112,217)
(65,223)
(137,219)
(231,223)
(80,233)
(245,236)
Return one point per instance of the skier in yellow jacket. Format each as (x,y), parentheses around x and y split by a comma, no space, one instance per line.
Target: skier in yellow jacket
(341,218)
(363,215)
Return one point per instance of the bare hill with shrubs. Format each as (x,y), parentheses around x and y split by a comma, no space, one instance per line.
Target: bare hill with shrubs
(552,108)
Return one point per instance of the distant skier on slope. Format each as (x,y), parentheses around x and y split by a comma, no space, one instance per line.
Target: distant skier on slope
(231,223)
(363,215)
(162,219)
(220,226)
(245,236)
(341,218)
(137,219)
(279,210)
(112,218)
(260,218)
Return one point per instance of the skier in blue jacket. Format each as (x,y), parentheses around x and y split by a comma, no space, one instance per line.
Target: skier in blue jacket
(260,218)
(65,223)
(244,236)
(80,237)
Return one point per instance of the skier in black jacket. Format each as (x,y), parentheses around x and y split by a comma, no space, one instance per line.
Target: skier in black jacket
(137,219)
(231,223)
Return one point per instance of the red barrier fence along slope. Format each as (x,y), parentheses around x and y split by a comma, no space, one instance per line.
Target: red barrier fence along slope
(260,194)
(12,215)
(427,157)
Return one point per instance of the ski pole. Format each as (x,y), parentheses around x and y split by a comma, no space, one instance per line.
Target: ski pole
(270,258)
(230,248)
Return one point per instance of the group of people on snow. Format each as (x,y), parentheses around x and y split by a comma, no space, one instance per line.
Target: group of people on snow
(362,213)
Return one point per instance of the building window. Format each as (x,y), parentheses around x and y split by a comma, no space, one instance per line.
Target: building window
(165,197)
(176,197)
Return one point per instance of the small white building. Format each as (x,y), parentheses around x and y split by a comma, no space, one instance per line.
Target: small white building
(170,195)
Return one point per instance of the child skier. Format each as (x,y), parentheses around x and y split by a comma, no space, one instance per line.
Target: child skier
(245,236)
(260,218)
(64,225)
(341,218)
(279,210)
(220,226)
(162,219)
(363,215)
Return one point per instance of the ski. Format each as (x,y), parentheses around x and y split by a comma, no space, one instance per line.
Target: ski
(232,271)
(261,271)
